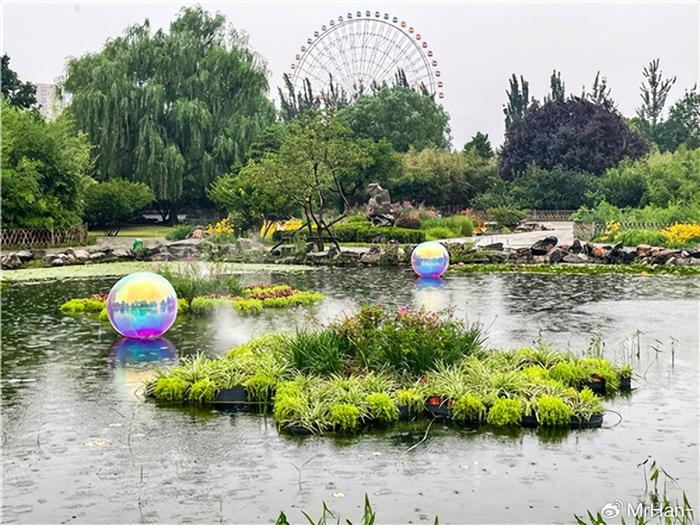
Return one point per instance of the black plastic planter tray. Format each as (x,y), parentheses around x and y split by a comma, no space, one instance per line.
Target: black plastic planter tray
(596,384)
(439,407)
(231,396)
(595,421)
(625,384)
(529,421)
(298,431)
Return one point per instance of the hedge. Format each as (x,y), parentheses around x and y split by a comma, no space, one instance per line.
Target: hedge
(362,232)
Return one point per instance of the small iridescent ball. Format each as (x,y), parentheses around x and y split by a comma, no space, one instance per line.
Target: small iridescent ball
(430,260)
(142,305)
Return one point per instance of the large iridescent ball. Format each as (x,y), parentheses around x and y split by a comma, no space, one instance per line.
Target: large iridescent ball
(430,260)
(142,305)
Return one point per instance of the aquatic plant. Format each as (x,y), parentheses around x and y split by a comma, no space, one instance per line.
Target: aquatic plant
(190,282)
(585,404)
(411,398)
(203,390)
(552,411)
(318,352)
(344,416)
(92,304)
(381,407)
(469,408)
(505,412)
(169,388)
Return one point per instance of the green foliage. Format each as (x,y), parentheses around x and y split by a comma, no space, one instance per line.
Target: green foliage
(44,167)
(83,305)
(682,128)
(507,216)
(505,412)
(552,411)
(402,116)
(480,145)
(108,204)
(381,407)
(190,282)
(15,92)
(203,391)
(458,226)
(654,91)
(519,101)
(439,232)
(173,109)
(181,232)
(670,214)
(170,388)
(365,232)
(469,408)
(411,398)
(248,306)
(439,177)
(316,352)
(344,416)
(557,188)
(579,269)
(586,404)
(569,373)
(635,237)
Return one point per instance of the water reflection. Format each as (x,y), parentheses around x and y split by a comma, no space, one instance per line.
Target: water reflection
(128,351)
(431,294)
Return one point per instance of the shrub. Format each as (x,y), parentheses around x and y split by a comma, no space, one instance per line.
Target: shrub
(108,204)
(507,216)
(469,408)
(412,222)
(203,305)
(344,416)
(681,235)
(170,388)
(673,213)
(505,412)
(84,305)
(181,232)
(248,306)
(381,407)
(552,411)
(361,232)
(190,283)
(439,232)
(203,391)
(556,188)
(634,237)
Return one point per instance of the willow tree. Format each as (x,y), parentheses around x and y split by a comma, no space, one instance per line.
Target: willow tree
(171,109)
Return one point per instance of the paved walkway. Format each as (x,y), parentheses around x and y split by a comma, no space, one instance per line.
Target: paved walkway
(563,231)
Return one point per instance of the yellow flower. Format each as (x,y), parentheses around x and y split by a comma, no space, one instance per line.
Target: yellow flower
(681,234)
(221,228)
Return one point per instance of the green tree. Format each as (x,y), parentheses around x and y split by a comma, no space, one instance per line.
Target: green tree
(553,189)
(683,123)
(557,89)
(44,167)
(108,204)
(438,177)
(171,109)
(403,116)
(654,91)
(600,93)
(15,92)
(480,145)
(309,172)
(518,100)
(573,133)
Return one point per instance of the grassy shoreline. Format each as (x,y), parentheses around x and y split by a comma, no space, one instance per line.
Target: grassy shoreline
(576,269)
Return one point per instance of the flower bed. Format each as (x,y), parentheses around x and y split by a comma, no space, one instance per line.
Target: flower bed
(376,367)
(252,301)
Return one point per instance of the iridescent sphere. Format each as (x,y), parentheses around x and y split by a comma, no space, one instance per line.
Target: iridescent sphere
(430,259)
(142,305)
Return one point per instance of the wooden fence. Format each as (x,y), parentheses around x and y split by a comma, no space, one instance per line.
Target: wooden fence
(43,237)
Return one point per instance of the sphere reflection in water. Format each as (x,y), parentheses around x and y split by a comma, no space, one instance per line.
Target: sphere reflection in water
(142,305)
(431,294)
(430,259)
(129,351)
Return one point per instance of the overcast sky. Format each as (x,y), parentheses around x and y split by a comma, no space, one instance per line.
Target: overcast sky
(478,45)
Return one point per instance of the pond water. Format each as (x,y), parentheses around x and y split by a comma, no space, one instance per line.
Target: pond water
(82,445)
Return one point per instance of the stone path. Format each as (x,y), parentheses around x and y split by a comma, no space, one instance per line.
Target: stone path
(563,231)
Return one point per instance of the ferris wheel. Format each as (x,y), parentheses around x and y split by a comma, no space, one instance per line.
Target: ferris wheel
(363,48)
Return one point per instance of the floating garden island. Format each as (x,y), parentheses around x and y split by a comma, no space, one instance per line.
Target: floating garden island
(378,367)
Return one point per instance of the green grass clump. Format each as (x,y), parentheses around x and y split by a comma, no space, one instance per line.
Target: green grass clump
(469,408)
(203,391)
(552,411)
(365,232)
(189,282)
(505,412)
(440,232)
(170,388)
(93,305)
(381,407)
(344,416)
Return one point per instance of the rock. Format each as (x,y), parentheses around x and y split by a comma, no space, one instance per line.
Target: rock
(78,254)
(10,261)
(122,253)
(643,250)
(694,252)
(663,256)
(492,246)
(614,255)
(57,262)
(392,255)
(197,234)
(38,253)
(557,255)
(540,259)
(333,252)
(543,246)
(531,227)
(370,258)
(25,255)
(576,246)
(96,256)
(408,249)
(629,254)
(598,251)
(311,247)
(347,258)
(575,258)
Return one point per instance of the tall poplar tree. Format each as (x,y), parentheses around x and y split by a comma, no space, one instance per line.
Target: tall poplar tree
(171,109)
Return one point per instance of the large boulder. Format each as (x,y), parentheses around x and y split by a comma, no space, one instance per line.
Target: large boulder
(10,261)
(576,258)
(664,256)
(370,258)
(557,255)
(25,255)
(576,246)
(543,246)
